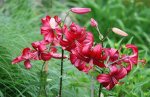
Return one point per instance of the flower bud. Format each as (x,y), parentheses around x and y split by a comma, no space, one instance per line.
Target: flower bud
(93,23)
(80,10)
(119,32)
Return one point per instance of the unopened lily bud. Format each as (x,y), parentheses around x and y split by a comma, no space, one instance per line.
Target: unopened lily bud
(93,23)
(119,32)
(80,10)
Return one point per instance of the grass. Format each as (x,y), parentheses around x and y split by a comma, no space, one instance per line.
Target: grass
(20,26)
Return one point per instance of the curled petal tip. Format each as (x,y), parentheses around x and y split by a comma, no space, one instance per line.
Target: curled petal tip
(119,32)
(143,61)
(27,64)
(17,60)
(80,10)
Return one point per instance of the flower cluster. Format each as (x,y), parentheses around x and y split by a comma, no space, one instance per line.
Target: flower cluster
(84,54)
(46,48)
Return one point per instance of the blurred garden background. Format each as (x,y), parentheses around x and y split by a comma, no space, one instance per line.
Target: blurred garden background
(20,22)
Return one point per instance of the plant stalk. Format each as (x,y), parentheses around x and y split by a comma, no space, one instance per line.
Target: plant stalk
(43,81)
(100,90)
(100,35)
(61,73)
(62,60)
(92,87)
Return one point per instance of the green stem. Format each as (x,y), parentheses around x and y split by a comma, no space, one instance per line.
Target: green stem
(92,87)
(62,59)
(100,35)
(43,82)
(100,85)
(61,73)
(106,35)
(100,90)
(66,16)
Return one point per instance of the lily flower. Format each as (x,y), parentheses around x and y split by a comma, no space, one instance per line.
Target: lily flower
(26,56)
(111,79)
(131,59)
(75,36)
(49,25)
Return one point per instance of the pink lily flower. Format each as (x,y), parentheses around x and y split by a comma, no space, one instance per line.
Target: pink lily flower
(111,79)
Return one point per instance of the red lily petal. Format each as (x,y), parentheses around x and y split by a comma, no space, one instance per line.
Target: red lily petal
(106,81)
(97,51)
(99,63)
(86,50)
(110,86)
(35,44)
(113,69)
(26,53)
(57,56)
(45,30)
(17,60)
(103,78)
(45,21)
(134,57)
(42,47)
(49,37)
(118,73)
(129,67)
(73,58)
(80,64)
(57,19)
(89,39)
(75,28)
(27,64)
(121,73)
(46,56)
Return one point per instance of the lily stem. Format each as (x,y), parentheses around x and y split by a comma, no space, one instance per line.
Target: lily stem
(92,87)
(61,73)
(100,35)
(43,83)
(100,89)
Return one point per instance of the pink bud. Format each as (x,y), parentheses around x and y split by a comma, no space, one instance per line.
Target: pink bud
(119,32)
(93,23)
(80,10)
